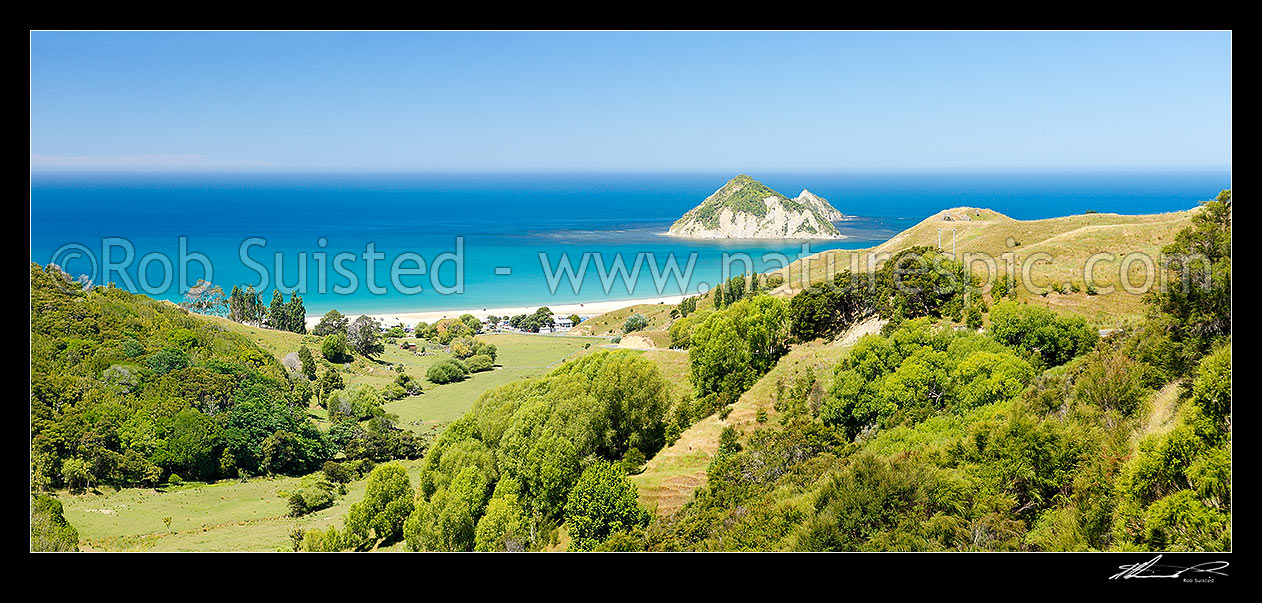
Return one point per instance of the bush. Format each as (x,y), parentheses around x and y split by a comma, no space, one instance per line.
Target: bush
(462,348)
(479,363)
(49,529)
(310,500)
(167,360)
(334,348)
(448,370)
(393,391)
(1040,334)
(635,322)
(339,473)
(633,461)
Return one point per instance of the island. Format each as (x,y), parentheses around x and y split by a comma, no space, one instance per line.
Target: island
(745,208)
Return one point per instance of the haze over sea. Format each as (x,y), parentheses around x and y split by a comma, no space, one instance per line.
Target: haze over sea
(507,220)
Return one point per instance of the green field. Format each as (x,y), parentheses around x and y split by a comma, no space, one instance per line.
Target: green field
(223,516)
(519,355)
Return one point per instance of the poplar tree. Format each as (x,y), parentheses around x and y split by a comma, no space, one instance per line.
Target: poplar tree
(237,309)
(276,312)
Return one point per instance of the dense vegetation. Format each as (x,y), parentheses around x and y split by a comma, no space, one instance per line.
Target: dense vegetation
(128,391)
(530,454)
(1035,436)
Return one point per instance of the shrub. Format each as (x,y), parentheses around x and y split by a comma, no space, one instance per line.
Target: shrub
(1040,334)
(310,500)
(635,322)
(633,461)
(167,360)
(448,370)
(334,348)
(479,363)
(339,473)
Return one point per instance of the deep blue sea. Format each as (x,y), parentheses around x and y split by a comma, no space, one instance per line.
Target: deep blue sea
(498,224)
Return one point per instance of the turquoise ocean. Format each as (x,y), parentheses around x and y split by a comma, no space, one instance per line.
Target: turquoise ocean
(500,224)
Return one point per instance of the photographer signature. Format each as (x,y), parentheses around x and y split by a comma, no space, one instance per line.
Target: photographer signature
(1150,569)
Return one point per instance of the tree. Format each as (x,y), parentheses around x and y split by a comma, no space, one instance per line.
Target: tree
(295,315)
(479,362)
(922,281)
(602,503)
(505,525)
(276,318)
(688,306)
(378,518)
(532,322)
(332,322)
(49,529)
(364,336)
(334,348)
(1041,334)
(254,310)
(329,382)
(462,348)
(732,348)
(1198,294)
(472,322)
(76,474)
(237,305)
(205,298)
(828,309)
(447,370)
(167,360)
(308,363)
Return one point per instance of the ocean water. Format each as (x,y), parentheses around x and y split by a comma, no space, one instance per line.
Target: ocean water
(499,225)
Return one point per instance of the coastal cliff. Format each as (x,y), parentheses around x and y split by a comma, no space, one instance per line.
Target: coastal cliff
(745,208)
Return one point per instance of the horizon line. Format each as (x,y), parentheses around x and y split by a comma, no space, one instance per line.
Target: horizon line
(544,171)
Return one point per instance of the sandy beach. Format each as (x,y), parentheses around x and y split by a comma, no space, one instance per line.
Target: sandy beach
(584,309)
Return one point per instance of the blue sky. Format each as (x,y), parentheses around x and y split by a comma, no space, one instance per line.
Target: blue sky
(615,101)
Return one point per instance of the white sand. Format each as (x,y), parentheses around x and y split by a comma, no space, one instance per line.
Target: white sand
(584,310)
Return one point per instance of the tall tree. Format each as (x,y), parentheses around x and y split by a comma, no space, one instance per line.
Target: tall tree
(205,298)
(333,322)
(254,310)
(363,336)
(237,309)
(276,311)
(308,363)
(295,315)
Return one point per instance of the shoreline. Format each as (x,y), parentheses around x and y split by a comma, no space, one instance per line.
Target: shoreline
(583,309)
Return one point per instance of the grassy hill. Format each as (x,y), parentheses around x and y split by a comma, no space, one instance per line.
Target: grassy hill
(1068,242)
(610,323)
